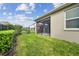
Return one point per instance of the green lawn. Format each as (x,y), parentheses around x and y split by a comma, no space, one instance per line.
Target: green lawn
(37,45)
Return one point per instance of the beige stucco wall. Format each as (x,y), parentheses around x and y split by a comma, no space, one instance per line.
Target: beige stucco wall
(57,28)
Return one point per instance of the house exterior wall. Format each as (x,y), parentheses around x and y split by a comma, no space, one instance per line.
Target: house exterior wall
(57,27)
(3,27)
(33,27)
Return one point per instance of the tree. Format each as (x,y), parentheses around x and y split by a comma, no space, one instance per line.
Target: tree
(18,29)
(26,30)
(10,26)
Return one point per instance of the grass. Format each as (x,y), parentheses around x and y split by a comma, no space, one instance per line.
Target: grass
(37,45)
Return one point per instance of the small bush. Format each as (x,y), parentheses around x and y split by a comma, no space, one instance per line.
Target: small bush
(6,38)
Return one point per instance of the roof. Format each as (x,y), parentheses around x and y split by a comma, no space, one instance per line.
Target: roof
(3,22)
(54,10)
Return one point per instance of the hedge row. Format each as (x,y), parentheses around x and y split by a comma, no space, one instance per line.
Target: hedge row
(6,38)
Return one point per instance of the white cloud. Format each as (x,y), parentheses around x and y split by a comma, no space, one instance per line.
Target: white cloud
(37,16)
(32,5)
(45,10)
(20,19)
(23,20)
(28,8)
(10,13)
(9,17)
(29,12)
(4,13)
(28,18)
(22,7)
(57,4)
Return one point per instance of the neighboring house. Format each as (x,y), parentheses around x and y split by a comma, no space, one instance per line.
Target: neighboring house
(3,26)
(62,22)
(33,27)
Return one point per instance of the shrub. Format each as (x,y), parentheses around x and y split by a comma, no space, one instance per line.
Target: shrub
(6,38)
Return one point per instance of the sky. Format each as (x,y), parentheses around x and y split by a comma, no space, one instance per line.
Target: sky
(24,13)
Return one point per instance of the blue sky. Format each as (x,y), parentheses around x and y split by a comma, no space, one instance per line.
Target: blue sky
(23,13)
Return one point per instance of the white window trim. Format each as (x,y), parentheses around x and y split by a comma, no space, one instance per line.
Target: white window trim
(69,19)
(72,18)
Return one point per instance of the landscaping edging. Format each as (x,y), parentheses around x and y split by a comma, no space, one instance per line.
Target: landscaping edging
(10,52)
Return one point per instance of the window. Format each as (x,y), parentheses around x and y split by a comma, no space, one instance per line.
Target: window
(72,18)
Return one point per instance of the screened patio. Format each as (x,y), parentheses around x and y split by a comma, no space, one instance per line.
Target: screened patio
(43,26)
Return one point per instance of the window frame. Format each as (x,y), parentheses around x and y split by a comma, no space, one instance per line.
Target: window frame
(65,28)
